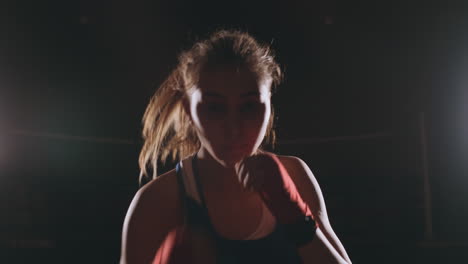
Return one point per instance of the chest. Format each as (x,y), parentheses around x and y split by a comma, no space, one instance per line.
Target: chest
(233,213)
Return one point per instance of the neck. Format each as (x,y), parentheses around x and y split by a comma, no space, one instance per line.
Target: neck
(212,170)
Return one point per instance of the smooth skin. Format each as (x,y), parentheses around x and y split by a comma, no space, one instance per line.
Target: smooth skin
(229,109)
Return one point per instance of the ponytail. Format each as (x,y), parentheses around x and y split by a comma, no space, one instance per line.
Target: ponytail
(167,131)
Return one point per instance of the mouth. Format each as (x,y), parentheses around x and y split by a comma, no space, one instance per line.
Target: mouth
(235,147)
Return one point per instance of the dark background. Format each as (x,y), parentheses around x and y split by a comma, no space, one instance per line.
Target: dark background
(75,78)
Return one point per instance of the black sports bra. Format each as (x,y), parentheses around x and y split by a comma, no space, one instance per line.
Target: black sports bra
(274,248)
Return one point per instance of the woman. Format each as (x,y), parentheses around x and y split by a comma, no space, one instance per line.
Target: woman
(227,200)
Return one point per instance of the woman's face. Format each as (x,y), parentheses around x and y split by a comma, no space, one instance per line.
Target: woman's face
(230,111)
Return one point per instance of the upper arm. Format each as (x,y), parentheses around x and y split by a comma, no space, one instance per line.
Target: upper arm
(153,212)
(309,189)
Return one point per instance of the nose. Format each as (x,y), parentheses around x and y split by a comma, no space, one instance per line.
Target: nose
(233,126)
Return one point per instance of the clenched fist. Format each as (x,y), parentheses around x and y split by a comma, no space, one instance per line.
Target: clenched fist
(252,170)
(265,174)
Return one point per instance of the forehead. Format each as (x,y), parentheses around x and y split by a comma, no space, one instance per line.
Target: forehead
(229,82)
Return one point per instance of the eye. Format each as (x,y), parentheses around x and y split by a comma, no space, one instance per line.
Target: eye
(249,107)
(215,108)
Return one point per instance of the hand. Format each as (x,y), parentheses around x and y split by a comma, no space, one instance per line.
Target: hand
(265,174)
(252,170)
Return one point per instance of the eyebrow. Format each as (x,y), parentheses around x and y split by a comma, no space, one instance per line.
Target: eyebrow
(214,94)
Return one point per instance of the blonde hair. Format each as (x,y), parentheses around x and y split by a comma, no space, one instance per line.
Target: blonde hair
(167,131)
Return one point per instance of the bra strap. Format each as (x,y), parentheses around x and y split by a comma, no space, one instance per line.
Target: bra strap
(198,184)
(183,192)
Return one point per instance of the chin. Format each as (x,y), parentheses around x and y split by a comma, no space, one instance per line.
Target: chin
(229,159)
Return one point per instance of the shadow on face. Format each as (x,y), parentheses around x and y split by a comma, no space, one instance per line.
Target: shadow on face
(230,109)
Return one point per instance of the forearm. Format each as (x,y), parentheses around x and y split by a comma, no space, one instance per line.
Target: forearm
(320,250)
(335,242)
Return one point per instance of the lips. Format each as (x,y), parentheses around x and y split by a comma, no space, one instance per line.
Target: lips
(235,147)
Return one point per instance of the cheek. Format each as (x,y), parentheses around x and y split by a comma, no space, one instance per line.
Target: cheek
(256,120)
(264,119)
(254,125)
(208,120)
(208,125)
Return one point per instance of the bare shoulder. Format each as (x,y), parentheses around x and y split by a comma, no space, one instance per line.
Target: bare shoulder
(292,163)
(159,196)
(299,171)
(303,178)
(306,184)
(297,167)
(164,186)
(155,209)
